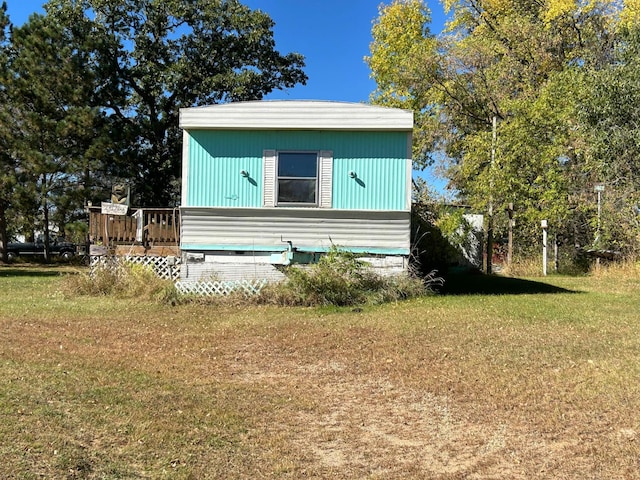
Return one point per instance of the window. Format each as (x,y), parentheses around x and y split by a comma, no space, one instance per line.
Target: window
(297,178)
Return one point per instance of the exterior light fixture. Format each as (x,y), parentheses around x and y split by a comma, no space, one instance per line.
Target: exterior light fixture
(244,173)
(353,174)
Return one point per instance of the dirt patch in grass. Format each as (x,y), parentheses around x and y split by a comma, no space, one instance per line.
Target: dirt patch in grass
(479,387)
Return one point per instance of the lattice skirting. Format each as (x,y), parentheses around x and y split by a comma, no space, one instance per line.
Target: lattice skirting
(167,268)
(246,287)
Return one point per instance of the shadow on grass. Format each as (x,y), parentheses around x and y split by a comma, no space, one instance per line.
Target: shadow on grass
(31,271)
(480,284)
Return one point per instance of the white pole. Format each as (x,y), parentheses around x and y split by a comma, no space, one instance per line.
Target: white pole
(598,230)
(544,247)
(599,188)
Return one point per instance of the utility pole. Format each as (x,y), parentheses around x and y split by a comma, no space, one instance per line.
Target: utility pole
(490,209)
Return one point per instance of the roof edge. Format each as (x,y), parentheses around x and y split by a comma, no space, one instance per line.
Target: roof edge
(296,115)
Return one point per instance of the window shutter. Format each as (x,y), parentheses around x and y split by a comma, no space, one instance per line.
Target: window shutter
(269,184)
(326,178)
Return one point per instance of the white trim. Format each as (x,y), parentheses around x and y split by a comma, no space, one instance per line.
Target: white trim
(185,166)
(269,158)
(409,171)
(325,179)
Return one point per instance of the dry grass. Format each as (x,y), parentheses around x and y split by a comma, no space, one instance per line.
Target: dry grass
(523,267)
(497,386)
(532,267)
(127,280)
(626,269)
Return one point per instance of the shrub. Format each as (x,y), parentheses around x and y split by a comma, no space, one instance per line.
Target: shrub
(340,278)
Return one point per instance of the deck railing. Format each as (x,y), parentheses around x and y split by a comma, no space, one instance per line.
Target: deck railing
(143,226)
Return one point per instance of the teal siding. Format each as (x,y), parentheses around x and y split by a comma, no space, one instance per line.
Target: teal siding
(216,158)
(214,178)
(378,159)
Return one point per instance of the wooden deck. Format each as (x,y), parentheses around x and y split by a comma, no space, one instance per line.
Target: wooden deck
(143,229)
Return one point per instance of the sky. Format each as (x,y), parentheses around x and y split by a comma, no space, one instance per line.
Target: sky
(333,36)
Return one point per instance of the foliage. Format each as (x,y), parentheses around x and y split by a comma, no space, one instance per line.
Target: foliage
(56,129)
(7,160)
(153,57)
(628,269)
(76,232)
(432,250)
(608,110)
(402,41)
(551,74)
(440,232)
(340,278)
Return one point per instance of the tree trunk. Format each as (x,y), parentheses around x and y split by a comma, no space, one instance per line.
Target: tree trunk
(3,232)
(45,223)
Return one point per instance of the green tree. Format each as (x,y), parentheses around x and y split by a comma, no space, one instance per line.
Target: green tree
(153,57)
(56,123)
(518,62)
(403,63)
(7,167)
(611,124)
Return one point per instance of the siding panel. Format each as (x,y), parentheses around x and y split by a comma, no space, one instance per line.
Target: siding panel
(214,176)
(204,272)
(269,229)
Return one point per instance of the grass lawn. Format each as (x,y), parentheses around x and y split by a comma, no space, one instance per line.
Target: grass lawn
(496,378)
